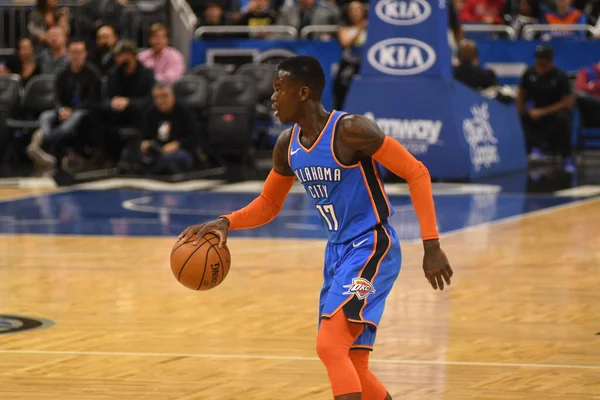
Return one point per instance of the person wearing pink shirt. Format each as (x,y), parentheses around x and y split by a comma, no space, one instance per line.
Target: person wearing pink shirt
(587,95)
(166,62)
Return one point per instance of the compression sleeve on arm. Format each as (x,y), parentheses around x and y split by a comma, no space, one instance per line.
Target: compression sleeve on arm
(265,207)
(397,159)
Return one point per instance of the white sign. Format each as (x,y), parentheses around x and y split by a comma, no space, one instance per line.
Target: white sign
(401,56)
(411,12)
(480,136)
(416,135)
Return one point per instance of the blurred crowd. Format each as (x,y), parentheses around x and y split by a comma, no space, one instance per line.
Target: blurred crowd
(104,80)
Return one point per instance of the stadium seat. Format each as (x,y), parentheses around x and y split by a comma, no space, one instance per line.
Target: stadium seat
(37,97)
(211,73)
(193,92)
(263,76)
(231,116)
(9,96)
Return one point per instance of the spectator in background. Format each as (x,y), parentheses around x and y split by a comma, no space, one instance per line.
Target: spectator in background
(482,11)
(167,62)
(213,15)
(53,59)
(45,16)
(587,87)
(103,57)
(469,72)
(352,35)
(258,13)
(77,87)
(169,137)
(565,15)
(23,64)
(527,14)
(128,90)
(549,121)
(308,12)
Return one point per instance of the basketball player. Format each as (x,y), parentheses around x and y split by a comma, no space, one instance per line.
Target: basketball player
(335,156)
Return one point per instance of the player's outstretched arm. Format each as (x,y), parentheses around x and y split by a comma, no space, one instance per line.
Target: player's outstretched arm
(364,136)
(261,210)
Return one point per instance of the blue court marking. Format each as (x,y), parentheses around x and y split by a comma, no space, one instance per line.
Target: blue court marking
(154,213)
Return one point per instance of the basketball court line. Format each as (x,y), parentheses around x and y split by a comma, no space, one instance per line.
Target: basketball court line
(293,358)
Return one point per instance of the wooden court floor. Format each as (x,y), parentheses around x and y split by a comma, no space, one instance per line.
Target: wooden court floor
(520,320)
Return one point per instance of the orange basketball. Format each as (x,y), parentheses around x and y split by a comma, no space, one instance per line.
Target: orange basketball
(200,267)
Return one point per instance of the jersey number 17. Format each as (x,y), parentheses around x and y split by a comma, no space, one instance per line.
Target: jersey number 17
(328,213)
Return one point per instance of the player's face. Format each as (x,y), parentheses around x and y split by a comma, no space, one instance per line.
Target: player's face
(286,98)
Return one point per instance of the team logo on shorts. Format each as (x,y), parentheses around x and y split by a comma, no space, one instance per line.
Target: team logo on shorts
(359,287)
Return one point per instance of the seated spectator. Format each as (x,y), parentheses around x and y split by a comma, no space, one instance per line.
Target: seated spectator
(53,59)
(352,35)
(128,90)
(77,87)
(45,16)
(482,11)
(167,62)
(565,15)
(309,12)
(23,64)
(587,87)
(103,57)
(469,72)
(258,13)
(549,120)
(527,14)
(169,137)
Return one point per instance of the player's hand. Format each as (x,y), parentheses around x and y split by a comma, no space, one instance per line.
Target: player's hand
(435,265)
(219,227)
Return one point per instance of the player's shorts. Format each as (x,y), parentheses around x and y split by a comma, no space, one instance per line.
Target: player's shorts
(358,277)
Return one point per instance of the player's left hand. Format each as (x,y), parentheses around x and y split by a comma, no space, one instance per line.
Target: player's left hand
(435,265)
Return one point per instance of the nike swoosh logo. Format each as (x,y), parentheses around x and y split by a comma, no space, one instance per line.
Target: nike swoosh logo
(359,243)
(294,152)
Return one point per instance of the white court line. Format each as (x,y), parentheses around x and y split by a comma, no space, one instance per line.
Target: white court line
(293,358)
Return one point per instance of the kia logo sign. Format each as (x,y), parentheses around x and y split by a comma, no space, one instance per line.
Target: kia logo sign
(401,56)
(403,12)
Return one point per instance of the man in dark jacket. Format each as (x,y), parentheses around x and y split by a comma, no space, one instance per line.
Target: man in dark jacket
(77,88)
(170,137)
(128,92)
(469,72)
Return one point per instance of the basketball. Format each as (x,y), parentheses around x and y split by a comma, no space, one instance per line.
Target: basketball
(200,267)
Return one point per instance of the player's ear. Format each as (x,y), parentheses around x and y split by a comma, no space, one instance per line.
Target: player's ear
(304,93)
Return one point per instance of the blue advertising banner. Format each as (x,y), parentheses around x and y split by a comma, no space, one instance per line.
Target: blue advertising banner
(457,133)
(407,38)
(260,50)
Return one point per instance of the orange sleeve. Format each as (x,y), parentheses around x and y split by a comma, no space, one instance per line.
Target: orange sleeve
(397,159)
(265,207)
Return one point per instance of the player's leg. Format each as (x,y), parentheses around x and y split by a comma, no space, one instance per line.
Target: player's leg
(369,310)
(336,335)
(369,266)
(372,388)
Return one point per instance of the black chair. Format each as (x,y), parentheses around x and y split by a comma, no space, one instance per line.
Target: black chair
(10,91)
(231,118)
(262,74)
(38,97)
(211,73)
(193,92)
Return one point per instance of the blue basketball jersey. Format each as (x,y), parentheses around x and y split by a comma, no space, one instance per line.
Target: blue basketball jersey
(350,199)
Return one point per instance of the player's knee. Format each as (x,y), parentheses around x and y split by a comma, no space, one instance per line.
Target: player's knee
(328,351)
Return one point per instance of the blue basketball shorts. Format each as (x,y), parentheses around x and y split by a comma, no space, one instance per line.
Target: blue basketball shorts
(358,277)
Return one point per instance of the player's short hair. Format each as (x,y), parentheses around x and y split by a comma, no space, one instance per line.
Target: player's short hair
(307,71)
